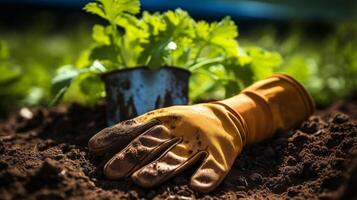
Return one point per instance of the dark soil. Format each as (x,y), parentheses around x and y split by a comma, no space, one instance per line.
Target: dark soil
(46,157)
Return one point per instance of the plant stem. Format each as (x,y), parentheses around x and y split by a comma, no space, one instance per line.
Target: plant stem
(121,53)
(116,47)
(198,54)
(206,62)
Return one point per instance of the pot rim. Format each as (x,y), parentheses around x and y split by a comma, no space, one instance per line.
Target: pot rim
(115,71)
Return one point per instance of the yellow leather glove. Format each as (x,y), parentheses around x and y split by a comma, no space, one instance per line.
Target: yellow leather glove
(160,144)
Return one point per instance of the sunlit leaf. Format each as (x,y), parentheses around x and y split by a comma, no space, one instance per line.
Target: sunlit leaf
(64,77)
(95,8)
(100,36)
(112,9)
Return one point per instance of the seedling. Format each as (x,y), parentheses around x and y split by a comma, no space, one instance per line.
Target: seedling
(173,38)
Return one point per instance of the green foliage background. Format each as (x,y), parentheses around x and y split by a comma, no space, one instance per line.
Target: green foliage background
(325,61)
(326,64)
(29,59)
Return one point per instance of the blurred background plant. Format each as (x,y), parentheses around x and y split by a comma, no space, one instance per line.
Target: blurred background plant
(323,57)
(29,59)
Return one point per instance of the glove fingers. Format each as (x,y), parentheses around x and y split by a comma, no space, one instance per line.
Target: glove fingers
(118,136)
(173,162)
(208,176)
(139,152)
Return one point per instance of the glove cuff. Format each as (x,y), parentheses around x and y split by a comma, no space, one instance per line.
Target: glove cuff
(276,103)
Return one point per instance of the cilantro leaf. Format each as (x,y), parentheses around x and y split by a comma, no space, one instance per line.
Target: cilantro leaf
(163,30)
(100,35)
(113,9)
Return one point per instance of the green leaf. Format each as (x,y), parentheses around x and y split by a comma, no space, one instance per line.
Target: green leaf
(243,74)
(226,28)
(117,13)
(58,96)
(83,59)
(96,68)
(64,76)
(113,9)
(86,89)
(158,54)
(105,53)
(132,26)
(202,30)
(154,26)
(178,23)
(231,88)
(100,35)
(263,62)
(153,23)
(95,8)
(91,85)
(221,35)
(164,29)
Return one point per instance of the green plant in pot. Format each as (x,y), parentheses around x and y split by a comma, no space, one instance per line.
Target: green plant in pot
(146,62)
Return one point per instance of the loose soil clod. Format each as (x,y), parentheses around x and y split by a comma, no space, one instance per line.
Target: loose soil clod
(46,157)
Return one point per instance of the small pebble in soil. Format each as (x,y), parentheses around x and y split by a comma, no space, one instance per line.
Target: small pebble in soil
(26,113)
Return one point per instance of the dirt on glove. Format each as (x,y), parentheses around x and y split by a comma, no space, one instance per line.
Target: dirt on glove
(44,155)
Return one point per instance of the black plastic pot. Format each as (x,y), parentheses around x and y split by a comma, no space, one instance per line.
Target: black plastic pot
(135,91)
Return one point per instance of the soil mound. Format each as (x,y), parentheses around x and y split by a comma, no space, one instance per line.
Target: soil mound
(45,156)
